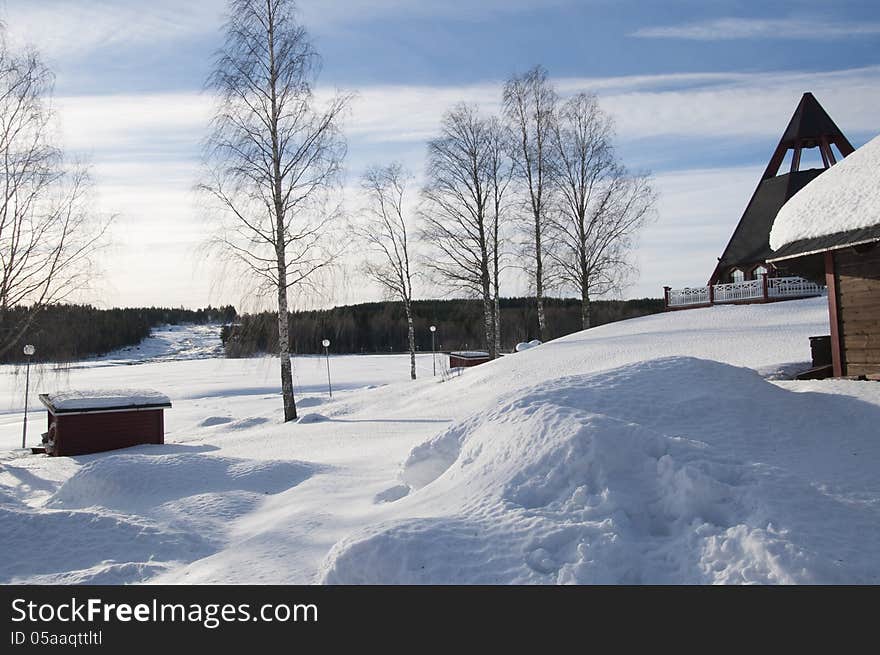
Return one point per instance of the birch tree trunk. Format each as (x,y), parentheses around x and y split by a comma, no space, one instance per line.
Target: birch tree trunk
(385,232)
(273,158)
(600,206)
(457,208)
(530,107)
(412,340)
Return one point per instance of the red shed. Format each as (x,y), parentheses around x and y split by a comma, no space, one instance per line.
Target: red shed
(82,422)
(468,358)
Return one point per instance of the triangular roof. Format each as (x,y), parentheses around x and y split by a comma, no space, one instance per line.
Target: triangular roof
(809,127)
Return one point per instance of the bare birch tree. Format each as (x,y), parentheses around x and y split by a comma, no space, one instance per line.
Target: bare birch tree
(500,171)
(457,209)
(601,206)
(49,232)
(530,106)
(273,155)
(386,233)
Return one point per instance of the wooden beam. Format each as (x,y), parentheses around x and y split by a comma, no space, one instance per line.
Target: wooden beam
(827,153)
(837,362)
(796,160)
(823,150)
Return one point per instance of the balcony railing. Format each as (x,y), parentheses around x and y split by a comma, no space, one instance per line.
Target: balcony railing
(767,289)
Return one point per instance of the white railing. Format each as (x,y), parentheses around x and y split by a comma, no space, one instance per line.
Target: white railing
(734,291)
(689,296)
(775,288)
(786,287)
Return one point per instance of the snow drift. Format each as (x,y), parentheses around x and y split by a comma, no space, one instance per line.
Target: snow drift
(127,516)
(675,470)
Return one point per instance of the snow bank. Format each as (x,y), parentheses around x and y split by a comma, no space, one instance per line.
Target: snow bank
(845,197)
(138,481)
(127,517)
(525,345)
(584,460)
(676,470)
(104,398)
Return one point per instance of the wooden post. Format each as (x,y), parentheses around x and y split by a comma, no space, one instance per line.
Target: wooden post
(711,294)
(796,160)
(836,349)
(765,287)
(666,291)
(823,152)
(828,157)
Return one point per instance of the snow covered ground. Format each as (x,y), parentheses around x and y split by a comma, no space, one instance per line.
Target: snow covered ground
(665,449)
(169,343)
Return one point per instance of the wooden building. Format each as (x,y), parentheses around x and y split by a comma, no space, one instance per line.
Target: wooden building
(83,422)
(809,132)
(466,358)
(830,231)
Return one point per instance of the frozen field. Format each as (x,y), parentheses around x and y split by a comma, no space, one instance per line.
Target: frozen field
(666,449)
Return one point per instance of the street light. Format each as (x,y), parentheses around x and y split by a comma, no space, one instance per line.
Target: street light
(433,329)
(326,344)
(29,350)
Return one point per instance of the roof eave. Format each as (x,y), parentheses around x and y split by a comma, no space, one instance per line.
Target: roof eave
(819,250)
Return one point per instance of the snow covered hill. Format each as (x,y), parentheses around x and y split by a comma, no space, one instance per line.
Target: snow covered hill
(663,449)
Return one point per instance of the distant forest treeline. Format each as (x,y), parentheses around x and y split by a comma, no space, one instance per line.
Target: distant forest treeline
(64,333)
(381,327)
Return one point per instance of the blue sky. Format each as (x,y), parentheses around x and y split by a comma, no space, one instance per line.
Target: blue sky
(700,92)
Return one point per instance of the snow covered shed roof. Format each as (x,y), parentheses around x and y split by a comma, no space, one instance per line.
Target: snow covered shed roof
(838,209)
(103,400)
(470,354)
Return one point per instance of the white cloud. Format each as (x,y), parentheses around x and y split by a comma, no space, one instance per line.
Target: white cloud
(145,153)
(724,105)
(128,124)
(721,29)
(61,29)
(697,212)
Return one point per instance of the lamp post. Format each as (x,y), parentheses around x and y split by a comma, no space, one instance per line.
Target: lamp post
(29,350)
(433,329)
(326,344)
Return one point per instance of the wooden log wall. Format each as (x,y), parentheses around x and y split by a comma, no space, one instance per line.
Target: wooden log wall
(859,309)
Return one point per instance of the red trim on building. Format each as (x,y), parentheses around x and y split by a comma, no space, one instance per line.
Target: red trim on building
(836,346)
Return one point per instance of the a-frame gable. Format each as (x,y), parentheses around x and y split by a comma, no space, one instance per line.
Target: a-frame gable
(810,127)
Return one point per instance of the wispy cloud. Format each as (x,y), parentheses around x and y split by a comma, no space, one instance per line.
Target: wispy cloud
(722,29)
(713,104)
(62,29)
(145,149)
(384,117)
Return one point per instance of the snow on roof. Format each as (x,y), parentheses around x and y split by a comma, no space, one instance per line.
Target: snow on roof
(72,399)
(845,197)
(469,353)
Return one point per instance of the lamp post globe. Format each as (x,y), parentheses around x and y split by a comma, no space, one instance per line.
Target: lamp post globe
(326,344)
(28,350)
(433,329)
